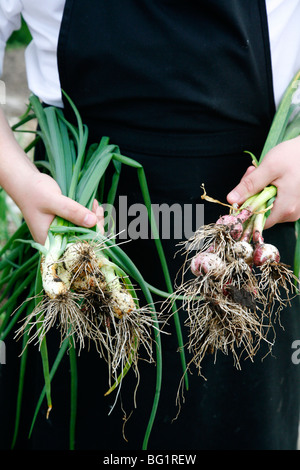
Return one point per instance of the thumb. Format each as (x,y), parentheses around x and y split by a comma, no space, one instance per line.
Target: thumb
(72,211)
(253,181)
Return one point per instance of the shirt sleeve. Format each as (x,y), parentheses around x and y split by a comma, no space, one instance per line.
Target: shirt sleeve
(10,20)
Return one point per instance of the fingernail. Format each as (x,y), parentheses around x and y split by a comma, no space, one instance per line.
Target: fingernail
(99,212)
(233,196)
(90,220)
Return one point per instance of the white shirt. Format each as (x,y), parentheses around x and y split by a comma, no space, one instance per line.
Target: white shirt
(44,18)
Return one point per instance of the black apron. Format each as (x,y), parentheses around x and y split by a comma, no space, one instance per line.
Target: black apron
(184,88)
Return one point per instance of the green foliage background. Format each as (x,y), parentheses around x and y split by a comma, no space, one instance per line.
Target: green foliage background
(19,38)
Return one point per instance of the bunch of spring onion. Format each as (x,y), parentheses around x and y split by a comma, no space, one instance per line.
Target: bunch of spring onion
(85,294)
(80,281)
(237,283)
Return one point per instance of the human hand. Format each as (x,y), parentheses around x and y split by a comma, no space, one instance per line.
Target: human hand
(42,200)
(37,195)
(280,167)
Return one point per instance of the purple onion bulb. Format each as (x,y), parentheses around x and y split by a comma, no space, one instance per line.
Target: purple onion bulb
(234,224)
(265,252)
(244,250)
(204,263)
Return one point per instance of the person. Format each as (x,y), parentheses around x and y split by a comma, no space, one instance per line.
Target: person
(184,88)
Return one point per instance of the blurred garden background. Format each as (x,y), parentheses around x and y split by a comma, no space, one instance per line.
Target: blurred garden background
(16,100)
(14,73)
